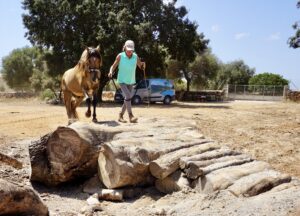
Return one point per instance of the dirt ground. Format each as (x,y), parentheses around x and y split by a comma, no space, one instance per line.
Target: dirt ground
(268,131)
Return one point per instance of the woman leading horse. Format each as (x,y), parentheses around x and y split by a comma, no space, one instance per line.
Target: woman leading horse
(82,81)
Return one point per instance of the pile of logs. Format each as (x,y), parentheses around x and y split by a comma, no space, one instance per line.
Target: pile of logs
(170,155)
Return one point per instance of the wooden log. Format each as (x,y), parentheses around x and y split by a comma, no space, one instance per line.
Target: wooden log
(205,163)
(223,178)
(168,163)
(218,153)
(257,183)
(225,164)
(172,183)
(68,152)
(20,200)
(10,161)
(125,165)
(196,169)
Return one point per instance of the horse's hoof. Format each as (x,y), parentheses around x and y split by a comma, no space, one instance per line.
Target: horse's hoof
(95,120)
(88,114)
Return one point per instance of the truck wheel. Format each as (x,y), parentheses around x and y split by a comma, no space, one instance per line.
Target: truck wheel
(136,100)
(167,100)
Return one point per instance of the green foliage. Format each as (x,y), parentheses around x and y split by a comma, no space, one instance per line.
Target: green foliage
(294,41)
(2,88)
(268,79)
(236,72)
(18,67)
(203,69)
(47,94)
(66,26)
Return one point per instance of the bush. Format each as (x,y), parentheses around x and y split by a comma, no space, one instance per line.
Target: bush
(2,88)
(47,94)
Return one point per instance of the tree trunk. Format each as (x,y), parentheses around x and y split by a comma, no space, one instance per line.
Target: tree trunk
(168,163)
(223,178)
(125,165)
(20,200)
(67,153)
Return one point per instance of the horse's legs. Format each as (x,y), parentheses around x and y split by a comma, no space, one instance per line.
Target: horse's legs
(76,103)
(95,101)
(67,102)
(88,112)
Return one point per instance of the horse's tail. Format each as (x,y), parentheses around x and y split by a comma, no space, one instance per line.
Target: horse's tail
(62,88)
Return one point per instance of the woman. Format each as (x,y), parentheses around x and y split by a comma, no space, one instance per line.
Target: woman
(127,62)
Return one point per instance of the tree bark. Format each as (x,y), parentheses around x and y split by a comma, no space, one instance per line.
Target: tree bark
(223,178)
(68,152)
(257,183)
(168,163)
(20,200)
(10,161)
(218,153)
(125,165)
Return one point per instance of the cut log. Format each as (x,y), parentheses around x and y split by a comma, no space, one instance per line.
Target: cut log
(205,163)
(223,178)
(196,169)
(257,183)
(10,161)
(225,164)
(67,153)
(168,163)
(172,183)
(125,165)
(20,200)
(206,156)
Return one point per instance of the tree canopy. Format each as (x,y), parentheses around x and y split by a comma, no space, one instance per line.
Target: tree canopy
(159,31)
(294,41)
(236,72)
(268,79)
(19,65)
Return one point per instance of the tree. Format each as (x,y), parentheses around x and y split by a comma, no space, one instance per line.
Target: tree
(268,79)
(203,69)
(236,72)
(66,26)
(18,67)
(294,41)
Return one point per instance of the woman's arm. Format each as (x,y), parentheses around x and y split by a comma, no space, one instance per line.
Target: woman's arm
(114,66)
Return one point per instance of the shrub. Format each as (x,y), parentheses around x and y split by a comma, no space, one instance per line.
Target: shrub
(47,94)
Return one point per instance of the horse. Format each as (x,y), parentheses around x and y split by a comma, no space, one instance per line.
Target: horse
(82,82)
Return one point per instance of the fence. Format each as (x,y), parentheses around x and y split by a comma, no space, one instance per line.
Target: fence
(256,92)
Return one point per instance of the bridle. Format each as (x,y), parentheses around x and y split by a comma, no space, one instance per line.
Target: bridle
(94,71)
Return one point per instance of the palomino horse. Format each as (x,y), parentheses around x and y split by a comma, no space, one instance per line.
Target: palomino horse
(82,81)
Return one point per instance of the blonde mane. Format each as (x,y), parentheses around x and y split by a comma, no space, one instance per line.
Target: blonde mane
(83,62)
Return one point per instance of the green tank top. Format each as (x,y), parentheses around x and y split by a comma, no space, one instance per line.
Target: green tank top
(127,67)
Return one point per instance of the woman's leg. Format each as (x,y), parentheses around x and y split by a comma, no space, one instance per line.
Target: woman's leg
(126,89)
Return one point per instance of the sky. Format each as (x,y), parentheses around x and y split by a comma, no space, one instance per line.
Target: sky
(255,31)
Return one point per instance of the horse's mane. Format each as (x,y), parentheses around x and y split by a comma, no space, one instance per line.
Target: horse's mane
(83,62)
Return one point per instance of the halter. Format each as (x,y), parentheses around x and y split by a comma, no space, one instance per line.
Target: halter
(96,54)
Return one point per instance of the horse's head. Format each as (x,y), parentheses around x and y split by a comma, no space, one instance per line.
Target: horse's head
(91,62)
(94,58)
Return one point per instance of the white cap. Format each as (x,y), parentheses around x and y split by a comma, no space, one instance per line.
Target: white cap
(129,45)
